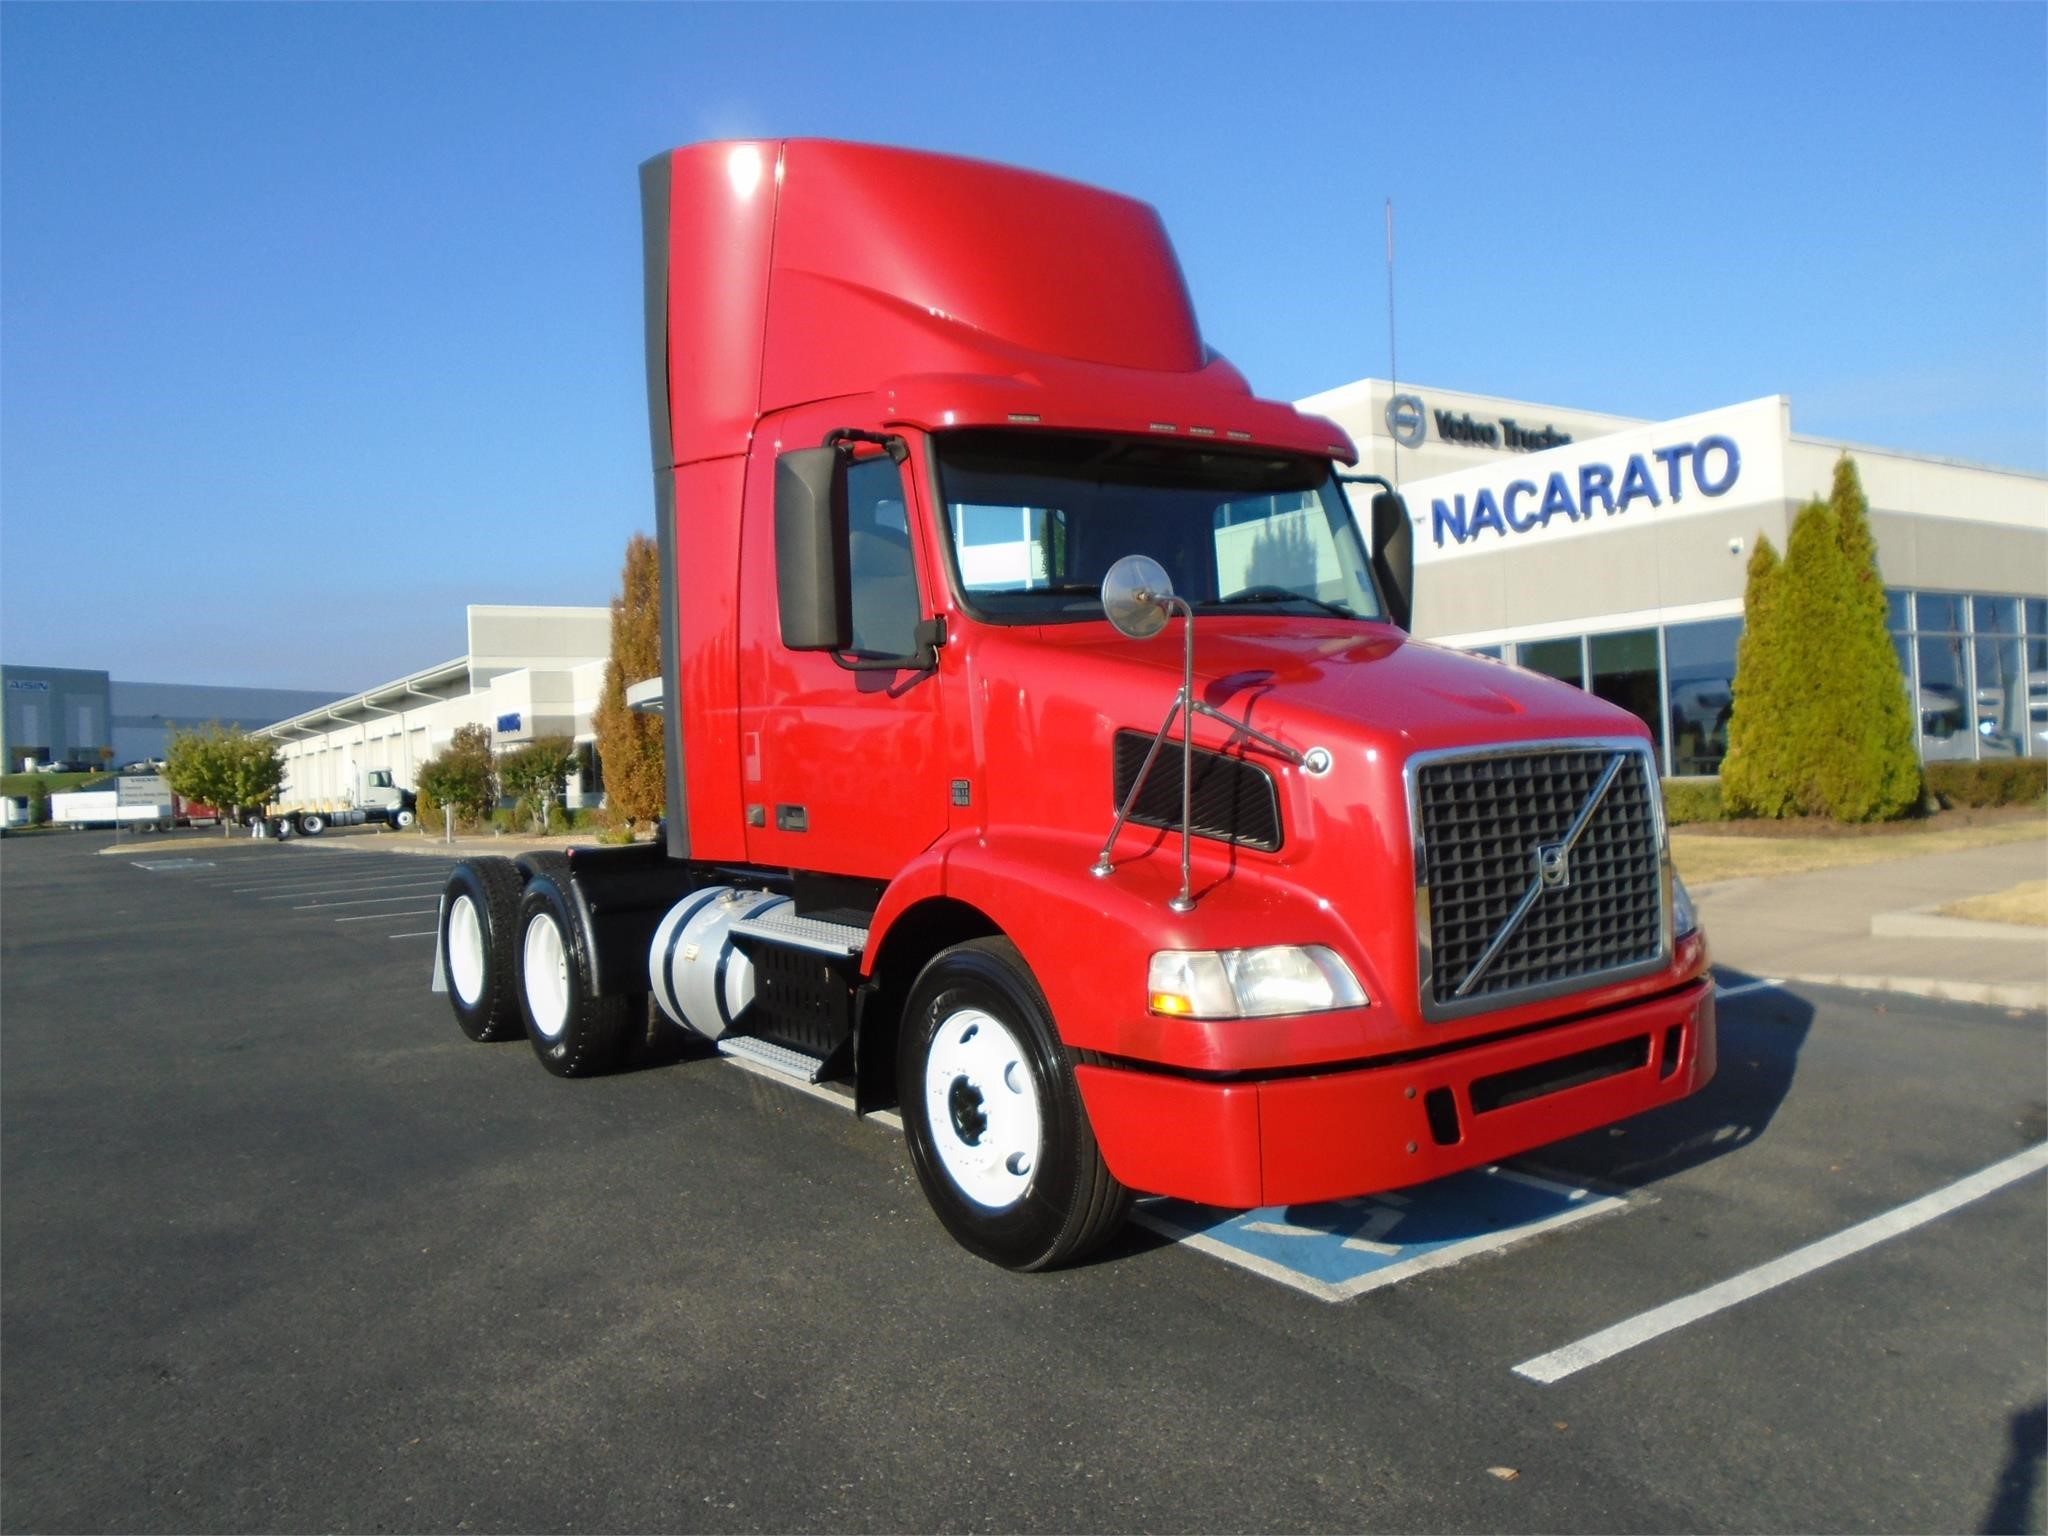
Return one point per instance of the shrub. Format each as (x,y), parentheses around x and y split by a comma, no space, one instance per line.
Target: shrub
(463,776)
(2011,782)
(38,801)
(534,776)
(1690,800)
(431,817)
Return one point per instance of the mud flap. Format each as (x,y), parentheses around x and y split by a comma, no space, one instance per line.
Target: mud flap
(440,982)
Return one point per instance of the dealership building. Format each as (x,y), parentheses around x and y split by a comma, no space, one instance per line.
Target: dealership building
(529,672)
(1612,552)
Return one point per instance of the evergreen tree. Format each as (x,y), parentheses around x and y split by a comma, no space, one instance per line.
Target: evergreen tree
(629,744)
(1821,725)
(1817,603)
(1875,771)
(1753,782)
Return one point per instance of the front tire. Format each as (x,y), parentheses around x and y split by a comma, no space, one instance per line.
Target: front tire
(403,818)
(574,1033)
(998,1135)
(479,931)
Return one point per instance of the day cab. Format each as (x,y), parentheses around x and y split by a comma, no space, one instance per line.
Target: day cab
(955,508)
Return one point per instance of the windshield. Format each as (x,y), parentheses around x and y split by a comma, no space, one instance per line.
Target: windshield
(1036,519)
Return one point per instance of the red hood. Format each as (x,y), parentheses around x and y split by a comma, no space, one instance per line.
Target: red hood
(1318,681)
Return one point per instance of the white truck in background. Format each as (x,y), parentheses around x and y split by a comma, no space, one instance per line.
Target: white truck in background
(382,802)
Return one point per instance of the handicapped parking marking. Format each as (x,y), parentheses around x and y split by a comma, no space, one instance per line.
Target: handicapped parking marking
(1339,1249)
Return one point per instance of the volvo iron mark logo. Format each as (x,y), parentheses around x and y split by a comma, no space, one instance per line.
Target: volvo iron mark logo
(1405,423)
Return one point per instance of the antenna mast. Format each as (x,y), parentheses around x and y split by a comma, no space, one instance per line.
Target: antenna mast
(1393,358)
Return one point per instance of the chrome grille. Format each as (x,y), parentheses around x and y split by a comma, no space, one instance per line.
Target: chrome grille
(1536,876)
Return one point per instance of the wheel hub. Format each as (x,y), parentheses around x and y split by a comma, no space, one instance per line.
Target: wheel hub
(964,1101)
(981,1102)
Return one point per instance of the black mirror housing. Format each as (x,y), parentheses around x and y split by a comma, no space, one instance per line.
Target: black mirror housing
(1393,556)
(813,572)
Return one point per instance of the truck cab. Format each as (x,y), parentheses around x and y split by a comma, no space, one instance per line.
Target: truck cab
(1048,755)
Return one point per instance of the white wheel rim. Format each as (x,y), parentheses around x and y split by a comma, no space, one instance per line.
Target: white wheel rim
(465,951)
(981,1102)
(547,976)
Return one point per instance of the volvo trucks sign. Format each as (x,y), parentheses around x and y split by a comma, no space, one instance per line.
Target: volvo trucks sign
(1408,422)
(1695,464)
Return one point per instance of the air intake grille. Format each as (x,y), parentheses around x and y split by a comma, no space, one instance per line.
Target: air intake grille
(1233,800)
(1483,821)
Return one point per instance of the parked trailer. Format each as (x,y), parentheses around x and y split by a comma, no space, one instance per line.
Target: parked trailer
(1362,912)
(107,807)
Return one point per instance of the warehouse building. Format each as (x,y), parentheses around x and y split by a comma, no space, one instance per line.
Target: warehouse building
(529,672)
(71,714)
(1612,552)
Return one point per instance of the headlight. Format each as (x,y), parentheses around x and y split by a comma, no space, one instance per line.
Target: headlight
(1251,983)
(1685,917)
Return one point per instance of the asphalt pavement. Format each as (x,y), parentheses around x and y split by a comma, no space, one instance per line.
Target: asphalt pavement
(280,1250)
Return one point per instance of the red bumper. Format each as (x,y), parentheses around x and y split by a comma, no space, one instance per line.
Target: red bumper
(1291,1140)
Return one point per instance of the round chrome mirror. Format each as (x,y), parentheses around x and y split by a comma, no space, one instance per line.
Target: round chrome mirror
(1134,594)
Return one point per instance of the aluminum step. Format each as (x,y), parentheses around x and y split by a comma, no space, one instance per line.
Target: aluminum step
(778,927)
(800,1065)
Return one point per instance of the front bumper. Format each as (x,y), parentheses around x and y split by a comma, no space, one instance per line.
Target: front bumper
(1293,1139)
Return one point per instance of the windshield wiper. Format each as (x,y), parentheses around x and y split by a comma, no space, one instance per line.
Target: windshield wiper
(1276,595)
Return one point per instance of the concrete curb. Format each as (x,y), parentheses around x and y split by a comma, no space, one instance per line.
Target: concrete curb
(1992,994)
(1926,923)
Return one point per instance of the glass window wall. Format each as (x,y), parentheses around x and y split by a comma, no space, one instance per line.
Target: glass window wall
(1975,665)
(1700,661)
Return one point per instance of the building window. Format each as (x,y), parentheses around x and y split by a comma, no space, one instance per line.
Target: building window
(1945,734)
(1701,659)
(1561,659)
(1625,673)
(2001,696)
(1939,611)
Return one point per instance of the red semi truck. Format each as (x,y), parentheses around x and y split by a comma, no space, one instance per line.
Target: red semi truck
(954,504)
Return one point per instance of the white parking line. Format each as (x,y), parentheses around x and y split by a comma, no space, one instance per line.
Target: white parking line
(347,885)
(397,885)
(364,901)
(1747,986)
(383,917)
(424,933)
(1658,1321)
(330,877)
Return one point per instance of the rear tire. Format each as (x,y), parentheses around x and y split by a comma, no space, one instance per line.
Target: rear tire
(998,1135)
(574,1033)
(478,938)
(312,826)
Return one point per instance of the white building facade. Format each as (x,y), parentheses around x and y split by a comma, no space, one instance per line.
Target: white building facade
(529,672)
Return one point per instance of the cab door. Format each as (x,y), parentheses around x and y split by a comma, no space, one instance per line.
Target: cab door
(841,770)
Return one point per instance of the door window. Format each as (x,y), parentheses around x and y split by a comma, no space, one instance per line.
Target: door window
(885,604)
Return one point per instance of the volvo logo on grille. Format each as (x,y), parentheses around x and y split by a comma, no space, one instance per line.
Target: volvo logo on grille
(1554,864)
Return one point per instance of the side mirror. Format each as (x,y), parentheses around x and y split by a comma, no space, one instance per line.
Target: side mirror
(1393,556)
(813,575)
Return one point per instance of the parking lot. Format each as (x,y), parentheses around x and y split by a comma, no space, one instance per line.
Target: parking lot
(281,1250)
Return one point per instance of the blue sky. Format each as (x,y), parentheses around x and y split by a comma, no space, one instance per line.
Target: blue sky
(318,322)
